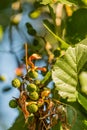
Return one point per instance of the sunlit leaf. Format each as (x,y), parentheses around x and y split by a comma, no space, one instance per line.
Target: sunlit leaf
(66,71)
(69,2)
(45,2)
(83,82)
(84,42)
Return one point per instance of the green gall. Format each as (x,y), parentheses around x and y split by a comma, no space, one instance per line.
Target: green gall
(13,103)
(34,95)
(32,108)
(16,83)
(37,82)
(33,74)
(31,87)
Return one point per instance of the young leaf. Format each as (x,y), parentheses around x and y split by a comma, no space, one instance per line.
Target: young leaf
(66,71)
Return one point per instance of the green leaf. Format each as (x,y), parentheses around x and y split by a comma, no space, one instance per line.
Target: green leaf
(58,126)
(53,15)
(77,31)
(46,79)
(50,29)
(83,82)
(69,2)
(84,42)
(79,121)
(45,2)
(19,124)
(85,123)
(82,100)
(85,2)
(66,71)
(49,25)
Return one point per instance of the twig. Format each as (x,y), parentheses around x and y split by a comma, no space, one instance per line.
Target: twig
(26,54)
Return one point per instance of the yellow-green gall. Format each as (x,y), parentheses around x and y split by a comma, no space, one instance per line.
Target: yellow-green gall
(32,108)
(37,82)
(13,103)
(34,96)
(32,74)
(16,83)
(31,87)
